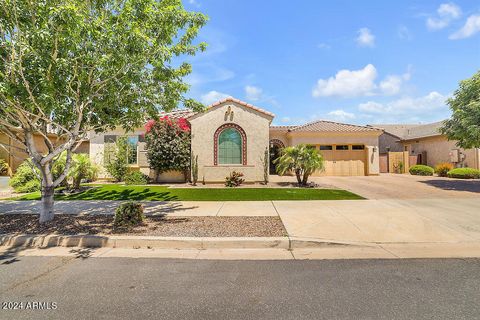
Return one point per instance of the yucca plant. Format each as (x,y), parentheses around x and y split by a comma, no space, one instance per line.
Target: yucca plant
(302,160)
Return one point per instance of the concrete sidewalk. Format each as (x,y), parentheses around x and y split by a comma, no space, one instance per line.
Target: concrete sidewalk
(170,208)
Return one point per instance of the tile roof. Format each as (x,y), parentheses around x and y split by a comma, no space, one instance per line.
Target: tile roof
(282,128)
(398,130)
(331,126)
(187,113)
(178,113)
(409,132)
(243,103)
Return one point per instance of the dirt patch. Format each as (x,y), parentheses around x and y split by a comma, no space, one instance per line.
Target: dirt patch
(152,226)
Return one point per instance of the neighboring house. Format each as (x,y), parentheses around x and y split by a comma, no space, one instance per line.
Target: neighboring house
(233,135)
(426,145)
(11,151)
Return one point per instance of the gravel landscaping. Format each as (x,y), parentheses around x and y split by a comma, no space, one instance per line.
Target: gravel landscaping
(152,226)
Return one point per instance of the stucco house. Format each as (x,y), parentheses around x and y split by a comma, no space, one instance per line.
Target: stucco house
(233,135)
(425,144)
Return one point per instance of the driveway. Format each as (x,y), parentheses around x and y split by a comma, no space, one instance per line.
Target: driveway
(404,186)
(386,221)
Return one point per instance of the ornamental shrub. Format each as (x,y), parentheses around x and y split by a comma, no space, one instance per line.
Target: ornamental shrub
(421,170)
(116,158)
(128,214)
(3,167)
(25,178)
(168,144)
(136,178)
(464,173)
(234,179)
(443,168)
(194,170)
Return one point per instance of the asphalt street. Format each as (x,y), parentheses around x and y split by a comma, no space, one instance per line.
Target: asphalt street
(82,287)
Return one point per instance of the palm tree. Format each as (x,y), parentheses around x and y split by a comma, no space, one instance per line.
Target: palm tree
(81,169)
(301,159)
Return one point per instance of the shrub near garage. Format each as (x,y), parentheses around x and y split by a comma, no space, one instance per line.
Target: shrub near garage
(464,173)
(421,170)
(136,178)
(443,168)
(128,214)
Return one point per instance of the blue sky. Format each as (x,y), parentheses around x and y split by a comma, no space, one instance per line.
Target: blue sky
(361,62)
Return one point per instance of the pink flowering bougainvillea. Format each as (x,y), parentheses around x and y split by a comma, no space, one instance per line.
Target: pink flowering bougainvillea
(168,144)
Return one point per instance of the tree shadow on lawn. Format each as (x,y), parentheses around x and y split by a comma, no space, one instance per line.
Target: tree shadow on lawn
(455,185)
(127,194)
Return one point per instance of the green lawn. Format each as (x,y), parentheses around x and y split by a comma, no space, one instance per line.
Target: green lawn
(161,193)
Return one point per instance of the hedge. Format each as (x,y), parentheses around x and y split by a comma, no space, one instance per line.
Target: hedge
(421,170)
(464,173)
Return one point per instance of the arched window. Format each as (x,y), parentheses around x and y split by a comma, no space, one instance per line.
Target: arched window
(230,145)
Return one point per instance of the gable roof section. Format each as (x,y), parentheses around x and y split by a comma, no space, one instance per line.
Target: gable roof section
(331,126)
(397,130)
(416,131)
(242,103)
(423,131)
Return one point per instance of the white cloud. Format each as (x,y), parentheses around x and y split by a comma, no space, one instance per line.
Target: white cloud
(340,115)
(407,108)
(365,38)
(404,33)
(446,12)
(354,83)
(450,10)
(324,46)
(471,27)
(194,2)
(286,120)
(392,84)
(213,96)
(347,83)
(207,73)
(253,93)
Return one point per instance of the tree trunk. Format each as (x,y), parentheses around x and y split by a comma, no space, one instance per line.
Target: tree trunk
(299,177)
(305,178)
(46,211)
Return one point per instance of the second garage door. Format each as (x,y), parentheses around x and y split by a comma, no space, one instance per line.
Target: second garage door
(343,160)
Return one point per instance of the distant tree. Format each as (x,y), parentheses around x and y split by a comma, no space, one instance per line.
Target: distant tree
(302,160)
(75,66)
(464,124)
(168,145)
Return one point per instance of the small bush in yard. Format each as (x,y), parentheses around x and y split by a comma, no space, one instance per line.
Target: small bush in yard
(421,170)
(136,178)
(234,179)
(3,167)
(25,178)
(442,168)
(464,173)
(128,214)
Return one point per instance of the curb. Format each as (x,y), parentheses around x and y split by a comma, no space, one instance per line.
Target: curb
(92,241)
(299,243)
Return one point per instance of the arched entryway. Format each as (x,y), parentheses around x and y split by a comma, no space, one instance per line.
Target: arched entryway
(276,147)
